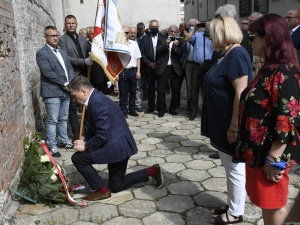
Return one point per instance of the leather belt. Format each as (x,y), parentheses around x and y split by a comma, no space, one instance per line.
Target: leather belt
(128,69)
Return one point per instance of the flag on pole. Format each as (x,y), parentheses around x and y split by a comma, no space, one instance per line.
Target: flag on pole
(109,46)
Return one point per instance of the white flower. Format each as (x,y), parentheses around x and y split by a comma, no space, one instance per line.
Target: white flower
(45,158)
(26,147)
(54,170)
(53,177)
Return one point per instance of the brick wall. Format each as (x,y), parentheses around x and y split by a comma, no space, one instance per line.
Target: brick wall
(21,110)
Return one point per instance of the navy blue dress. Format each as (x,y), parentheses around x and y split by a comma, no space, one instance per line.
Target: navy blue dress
(219,96)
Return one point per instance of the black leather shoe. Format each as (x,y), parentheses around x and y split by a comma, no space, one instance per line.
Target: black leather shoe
(161,114)
(191,118)
(149,111)
(158,176)
(133,113)
(214,156)
(140,109)
(173,112)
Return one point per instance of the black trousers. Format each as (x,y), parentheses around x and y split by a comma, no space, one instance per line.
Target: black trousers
(151,79)
(162,83)
(73,117)
(118,181)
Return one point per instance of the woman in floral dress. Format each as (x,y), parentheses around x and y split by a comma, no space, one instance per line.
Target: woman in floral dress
(269,115)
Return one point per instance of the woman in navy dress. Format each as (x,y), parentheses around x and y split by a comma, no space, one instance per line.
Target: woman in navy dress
(223,85)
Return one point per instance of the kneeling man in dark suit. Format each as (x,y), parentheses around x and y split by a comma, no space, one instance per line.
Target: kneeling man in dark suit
(108,141)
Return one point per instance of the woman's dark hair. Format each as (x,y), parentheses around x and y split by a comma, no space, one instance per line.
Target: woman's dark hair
(279,47)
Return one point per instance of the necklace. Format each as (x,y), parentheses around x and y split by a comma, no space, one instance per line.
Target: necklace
(222,55)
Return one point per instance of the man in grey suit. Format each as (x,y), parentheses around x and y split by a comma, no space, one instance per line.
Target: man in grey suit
(56,72)
(76,47)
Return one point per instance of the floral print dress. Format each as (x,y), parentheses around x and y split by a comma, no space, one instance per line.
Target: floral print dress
(269,112)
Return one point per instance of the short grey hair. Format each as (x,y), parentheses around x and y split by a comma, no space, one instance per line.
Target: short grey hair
(228,10)
(88,30)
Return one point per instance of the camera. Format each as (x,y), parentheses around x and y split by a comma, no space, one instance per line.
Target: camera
(201,24)
(172,38)
(187,29)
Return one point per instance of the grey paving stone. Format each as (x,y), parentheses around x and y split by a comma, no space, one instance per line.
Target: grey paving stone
(149,161)
(200,165)
(163,218)
(123,221)
(181,158)
(174,138)
(167,145)
(176,119)
(186,127)
(186,150)
(139,155)
(252,212)
(149,192)
(36,209)
(120,198)
(151,126)
(215,184)
(193,175)
(218,171)
(83,223)
(138,137)
(210,199)
(98,213)
(185,188)
(194,136)
(138,123)
(196,131)
(142,131)
(171,124)
(160,153)
(159,135)
(151,141)
(198,216)
(192,143)
(181,132)
(137,208)
(164,129)
(173,167)
(60,216)
(146,147)
(293,192)
(175,203)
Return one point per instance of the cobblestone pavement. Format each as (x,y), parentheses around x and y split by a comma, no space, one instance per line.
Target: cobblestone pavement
(193,182)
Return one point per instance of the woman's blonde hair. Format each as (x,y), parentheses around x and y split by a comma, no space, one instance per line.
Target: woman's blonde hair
(224,31)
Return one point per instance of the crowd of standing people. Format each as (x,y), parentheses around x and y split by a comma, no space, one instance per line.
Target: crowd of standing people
(247,76)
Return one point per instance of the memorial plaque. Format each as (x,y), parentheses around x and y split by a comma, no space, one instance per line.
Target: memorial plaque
(245,8)
(261,6)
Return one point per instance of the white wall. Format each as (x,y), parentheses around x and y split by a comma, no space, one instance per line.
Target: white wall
(167,12)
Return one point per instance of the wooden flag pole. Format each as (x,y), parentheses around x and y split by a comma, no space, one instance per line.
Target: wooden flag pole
(83,108)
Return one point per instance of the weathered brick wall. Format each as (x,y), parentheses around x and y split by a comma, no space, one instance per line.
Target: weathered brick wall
(21,109)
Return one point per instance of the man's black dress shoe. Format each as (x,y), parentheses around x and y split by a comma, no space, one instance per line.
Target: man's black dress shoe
(161,114)
(140,109)
(173,112)
(192,117)
(133,113)
(149,111)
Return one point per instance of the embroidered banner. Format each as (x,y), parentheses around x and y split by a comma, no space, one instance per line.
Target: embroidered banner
(109,47)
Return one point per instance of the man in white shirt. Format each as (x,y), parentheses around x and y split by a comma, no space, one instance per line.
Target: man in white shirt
(56,72)
(128,78)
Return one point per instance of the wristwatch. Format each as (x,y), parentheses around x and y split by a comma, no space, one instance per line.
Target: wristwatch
(276,159)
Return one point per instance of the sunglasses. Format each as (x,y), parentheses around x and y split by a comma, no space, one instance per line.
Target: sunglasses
(251,36)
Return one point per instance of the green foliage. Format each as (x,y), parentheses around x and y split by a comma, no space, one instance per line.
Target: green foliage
(36,175)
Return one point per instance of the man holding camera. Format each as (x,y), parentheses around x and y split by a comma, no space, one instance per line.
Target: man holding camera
(168,66)
(202,53)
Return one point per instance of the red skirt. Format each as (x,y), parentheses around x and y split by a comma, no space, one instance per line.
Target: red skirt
(265,193)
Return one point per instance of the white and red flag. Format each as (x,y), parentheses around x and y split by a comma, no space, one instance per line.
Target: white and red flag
(109,46)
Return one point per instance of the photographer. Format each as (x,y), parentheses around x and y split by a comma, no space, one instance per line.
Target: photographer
(202,52)
(168,66)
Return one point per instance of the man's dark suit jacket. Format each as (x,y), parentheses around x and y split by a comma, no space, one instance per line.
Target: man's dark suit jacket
(296,40)
(162,56)
(109,139)
(53,75)
(147,52)
(67,44)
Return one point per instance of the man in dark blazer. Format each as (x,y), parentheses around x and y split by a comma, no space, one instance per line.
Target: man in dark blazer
(168,66)
(76,47)
(108,141)
(148,50)
(293,19)
(56,72)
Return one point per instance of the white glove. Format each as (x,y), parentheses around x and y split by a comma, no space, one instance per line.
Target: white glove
(88,61)
(108,84)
